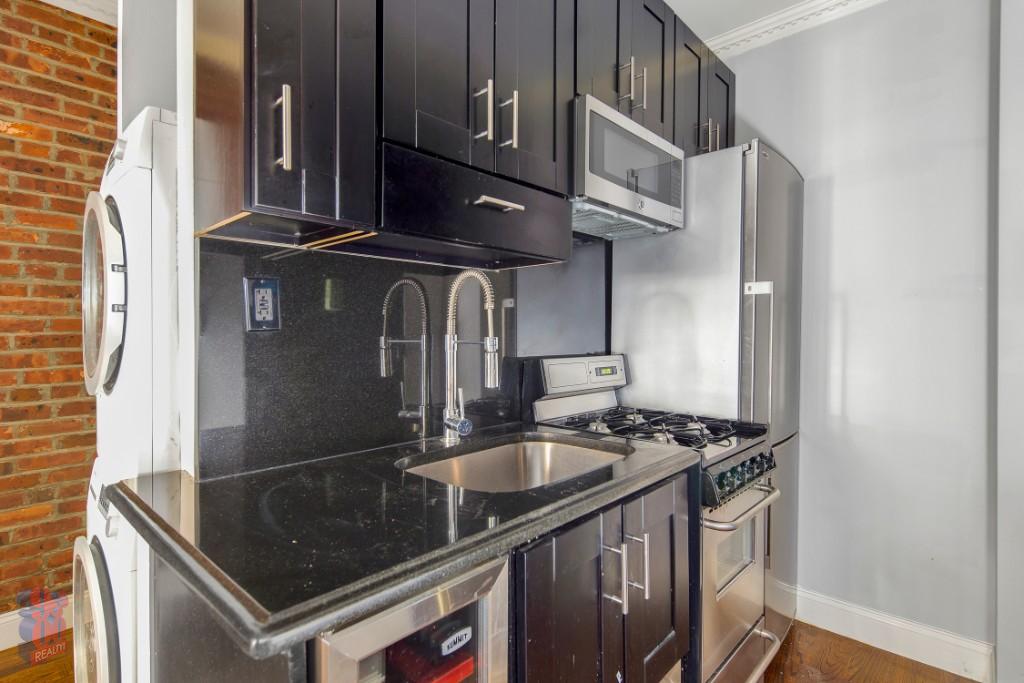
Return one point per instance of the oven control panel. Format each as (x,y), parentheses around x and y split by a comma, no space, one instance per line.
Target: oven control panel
(725,479)
(583,373)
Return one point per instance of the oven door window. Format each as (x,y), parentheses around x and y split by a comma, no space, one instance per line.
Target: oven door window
(734,554)
(629,161)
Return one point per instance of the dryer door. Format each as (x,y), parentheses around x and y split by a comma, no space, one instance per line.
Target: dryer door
(104,292)
(97,654)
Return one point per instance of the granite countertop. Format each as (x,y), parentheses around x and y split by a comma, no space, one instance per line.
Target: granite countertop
(286,553)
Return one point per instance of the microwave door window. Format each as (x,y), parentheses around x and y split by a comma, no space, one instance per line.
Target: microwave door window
(630,162)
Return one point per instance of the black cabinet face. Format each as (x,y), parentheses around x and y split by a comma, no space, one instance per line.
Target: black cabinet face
(276,110)
(559,603)
(653,47)
(438,77)
(602,47)
(722,104)
(533,90)
(690,80)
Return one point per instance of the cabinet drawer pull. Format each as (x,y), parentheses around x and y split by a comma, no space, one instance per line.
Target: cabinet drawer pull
(718,137)
(514,101)
(487,90)
(646,586)
(494,203)
(285,102)
(623,598)
(631,65)
(643,95)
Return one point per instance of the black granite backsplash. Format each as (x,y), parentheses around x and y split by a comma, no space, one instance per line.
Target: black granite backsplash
(313,388)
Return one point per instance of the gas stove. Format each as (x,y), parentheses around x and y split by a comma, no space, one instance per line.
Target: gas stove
(662,426)
(578,392)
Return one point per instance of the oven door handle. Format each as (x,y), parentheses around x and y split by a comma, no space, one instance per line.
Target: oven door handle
(733,525)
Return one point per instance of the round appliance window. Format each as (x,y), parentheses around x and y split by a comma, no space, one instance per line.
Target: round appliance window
(103,292)
(97,655)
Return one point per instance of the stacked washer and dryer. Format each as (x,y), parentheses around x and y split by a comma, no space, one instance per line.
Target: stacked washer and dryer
(130,292)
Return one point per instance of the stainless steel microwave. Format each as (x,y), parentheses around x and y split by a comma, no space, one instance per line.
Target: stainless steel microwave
(628,180)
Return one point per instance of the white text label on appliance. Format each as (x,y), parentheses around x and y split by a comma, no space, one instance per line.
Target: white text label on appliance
(456,640)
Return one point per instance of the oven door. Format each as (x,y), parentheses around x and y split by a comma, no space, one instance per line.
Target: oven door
(622,164)
(732,577)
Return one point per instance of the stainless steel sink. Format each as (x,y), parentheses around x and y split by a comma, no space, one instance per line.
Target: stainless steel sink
(516,462)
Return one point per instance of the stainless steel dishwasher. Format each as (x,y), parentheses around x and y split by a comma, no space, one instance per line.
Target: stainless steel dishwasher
(455,632)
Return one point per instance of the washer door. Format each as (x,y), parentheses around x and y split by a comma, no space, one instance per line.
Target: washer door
(97,654)
(104,293)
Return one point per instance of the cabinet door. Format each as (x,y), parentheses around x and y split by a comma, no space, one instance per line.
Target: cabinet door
(658,622)
(558,595)
(533,87)
(295,106)
(652,49)
(602,47)
(689,97)
(438,59)
(277,83)
(721,105)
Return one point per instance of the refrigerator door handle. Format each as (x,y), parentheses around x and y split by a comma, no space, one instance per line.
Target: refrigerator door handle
(757,289)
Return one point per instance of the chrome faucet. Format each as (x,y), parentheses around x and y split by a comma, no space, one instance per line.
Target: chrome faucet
(455,423)
(386,370)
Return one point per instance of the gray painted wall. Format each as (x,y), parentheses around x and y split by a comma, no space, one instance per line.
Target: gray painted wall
(1010,518)
(561,308)
(146,64)
(886,113)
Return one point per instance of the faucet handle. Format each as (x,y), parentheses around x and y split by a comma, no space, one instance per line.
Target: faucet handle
(460,424)
(462,404)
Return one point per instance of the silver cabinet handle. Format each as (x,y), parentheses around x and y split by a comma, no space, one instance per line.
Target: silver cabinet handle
(631,65)
(718,137)
(493,202)
(646,586)
(514,101)
(643,95)
(623,598)
(746,515)
(487,90)
(700,128)
(285,102)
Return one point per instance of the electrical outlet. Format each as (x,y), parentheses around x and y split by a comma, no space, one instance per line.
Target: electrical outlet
(262,304)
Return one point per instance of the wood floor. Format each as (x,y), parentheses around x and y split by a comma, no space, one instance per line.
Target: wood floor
(811,654)
(57,669)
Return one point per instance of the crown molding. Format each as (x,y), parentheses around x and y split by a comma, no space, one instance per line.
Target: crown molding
(799,17)
(100,10)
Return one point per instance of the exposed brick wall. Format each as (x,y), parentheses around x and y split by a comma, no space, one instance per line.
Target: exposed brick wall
(57,123)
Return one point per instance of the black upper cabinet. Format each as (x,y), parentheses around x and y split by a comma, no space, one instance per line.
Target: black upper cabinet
(438,76)
(603,34)
(295,117)
(579,620)
(534,91)
(278,160)
(653,31)
(690,100)
(721,107)
(482,83)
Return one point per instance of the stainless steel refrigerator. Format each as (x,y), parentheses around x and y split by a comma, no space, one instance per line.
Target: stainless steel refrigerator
(709,319)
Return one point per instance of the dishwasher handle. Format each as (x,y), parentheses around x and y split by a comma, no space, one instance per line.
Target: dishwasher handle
(753,510)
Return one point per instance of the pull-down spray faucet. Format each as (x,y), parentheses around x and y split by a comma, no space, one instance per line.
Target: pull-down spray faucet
(386,369)
(455,423)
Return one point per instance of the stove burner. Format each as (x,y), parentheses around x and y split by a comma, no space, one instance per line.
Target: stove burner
(665,427)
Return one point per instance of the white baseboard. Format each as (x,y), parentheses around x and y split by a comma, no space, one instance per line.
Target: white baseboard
(10,624)
(944,650)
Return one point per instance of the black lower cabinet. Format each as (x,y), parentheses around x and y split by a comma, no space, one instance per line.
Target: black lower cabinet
(577,619)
